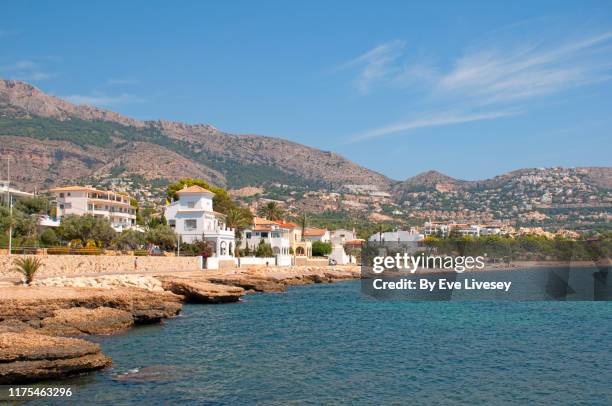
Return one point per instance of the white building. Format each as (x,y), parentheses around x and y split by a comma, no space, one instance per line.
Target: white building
(316,234)
(81,200)
(270,232)
(341,236)
(437,228)
(6,191)
(193,219)
(397,236)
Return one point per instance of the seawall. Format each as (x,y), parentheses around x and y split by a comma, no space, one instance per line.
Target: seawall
(72,265)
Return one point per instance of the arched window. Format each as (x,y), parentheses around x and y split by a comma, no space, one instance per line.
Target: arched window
(276,250)
(223,247)
(299,251)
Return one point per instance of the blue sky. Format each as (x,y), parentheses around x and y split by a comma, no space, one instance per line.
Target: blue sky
(472,89)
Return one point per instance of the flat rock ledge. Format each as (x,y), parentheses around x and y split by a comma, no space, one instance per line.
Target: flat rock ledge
(38,307)
(201,291)
(28,357)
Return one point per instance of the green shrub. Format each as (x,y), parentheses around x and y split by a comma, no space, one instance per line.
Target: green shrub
(48,238)
(320,248)
(141,253)
(87,251)
(264,250)
(58,251)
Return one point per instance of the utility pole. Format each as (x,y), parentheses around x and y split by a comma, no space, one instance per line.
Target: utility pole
(10,201)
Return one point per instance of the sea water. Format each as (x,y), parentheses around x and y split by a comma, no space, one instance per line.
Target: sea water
(329,344)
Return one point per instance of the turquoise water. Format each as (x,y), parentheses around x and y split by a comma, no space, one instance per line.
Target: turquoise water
(327,344)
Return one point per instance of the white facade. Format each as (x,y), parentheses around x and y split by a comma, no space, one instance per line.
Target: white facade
(341,236)
(6,191)
(432,228)
(396,236)
(78,200)
(269,232)
(193,219)
(316,234)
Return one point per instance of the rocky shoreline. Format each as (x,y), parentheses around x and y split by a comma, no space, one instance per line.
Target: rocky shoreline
(38,323)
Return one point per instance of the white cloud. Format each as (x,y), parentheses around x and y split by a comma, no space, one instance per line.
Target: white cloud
(26,70)
(375,65)
(433,119)
(103,100)
(495,76)
(488,81)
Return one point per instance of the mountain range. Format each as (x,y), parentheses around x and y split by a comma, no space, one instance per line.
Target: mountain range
(56,142)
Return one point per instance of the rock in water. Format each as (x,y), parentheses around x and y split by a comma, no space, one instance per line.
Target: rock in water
(80,320)
(35,303)
(249,282)
(196,291)
(28,357)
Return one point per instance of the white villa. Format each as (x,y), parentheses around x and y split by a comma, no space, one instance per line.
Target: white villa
(316,234)
(81,200)
(8,194)
(192,217)
(270,232)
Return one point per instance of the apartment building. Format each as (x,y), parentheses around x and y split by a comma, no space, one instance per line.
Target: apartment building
(81,200)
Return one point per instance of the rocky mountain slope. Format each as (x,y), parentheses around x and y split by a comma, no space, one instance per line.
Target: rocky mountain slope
(61,142)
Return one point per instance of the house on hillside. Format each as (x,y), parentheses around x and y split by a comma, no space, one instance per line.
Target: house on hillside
(193,219)
(81,200)
(9,194)
(340,236)
(316,234)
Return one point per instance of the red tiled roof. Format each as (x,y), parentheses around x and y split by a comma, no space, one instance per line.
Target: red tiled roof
(314,232)
(287,224)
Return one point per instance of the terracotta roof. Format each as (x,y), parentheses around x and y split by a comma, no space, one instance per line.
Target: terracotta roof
(287,224)
(72,188)
(194,189)
(262,221)
(314,232)
(357,241)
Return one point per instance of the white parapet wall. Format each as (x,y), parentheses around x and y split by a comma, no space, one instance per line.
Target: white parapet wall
(250,261)
(71,265)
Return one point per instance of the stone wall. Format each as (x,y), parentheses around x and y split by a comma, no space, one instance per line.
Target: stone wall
(66,265)
(314,261)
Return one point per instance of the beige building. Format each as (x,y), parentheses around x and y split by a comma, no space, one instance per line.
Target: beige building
(81,200)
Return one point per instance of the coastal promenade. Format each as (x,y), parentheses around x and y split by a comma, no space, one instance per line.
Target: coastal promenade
(37,322)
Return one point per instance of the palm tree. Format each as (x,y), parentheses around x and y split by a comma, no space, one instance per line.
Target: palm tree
(238,220)
(271,211)
(235,218)
(28,267)
(303,223)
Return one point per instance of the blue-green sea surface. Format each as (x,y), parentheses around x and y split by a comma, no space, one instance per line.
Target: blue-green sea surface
(328,344)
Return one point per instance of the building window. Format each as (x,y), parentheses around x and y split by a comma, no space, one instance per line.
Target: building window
(191,225)
(248,235)
(172,223)
(264,235)
(61,206)
(191,205)
(61,195)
